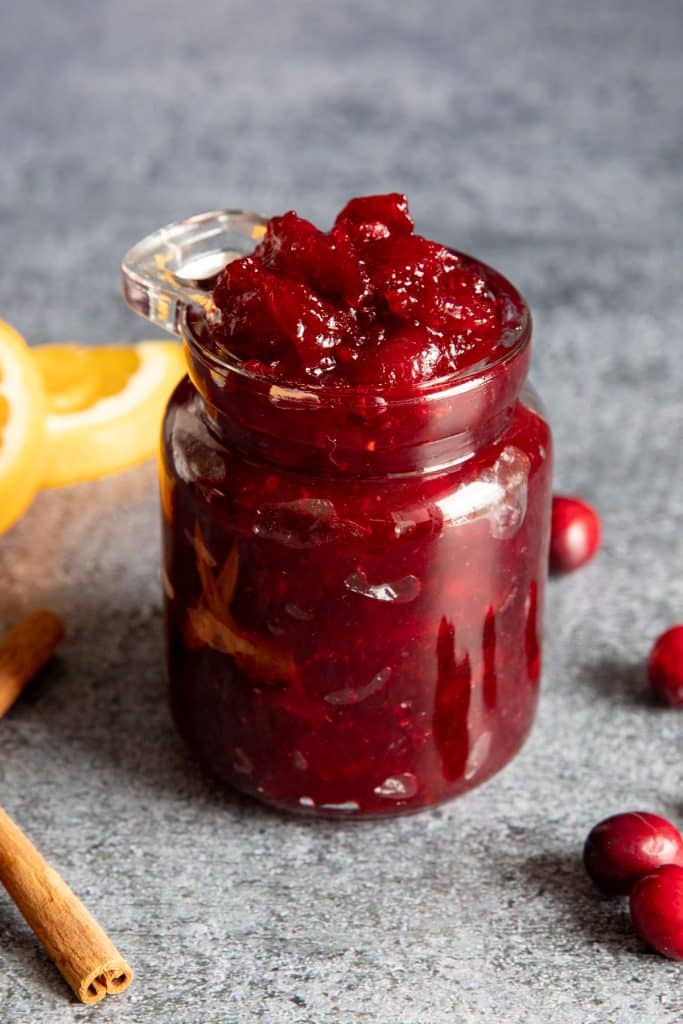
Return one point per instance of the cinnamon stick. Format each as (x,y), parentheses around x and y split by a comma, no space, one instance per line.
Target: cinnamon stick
(72,938)
(24,650)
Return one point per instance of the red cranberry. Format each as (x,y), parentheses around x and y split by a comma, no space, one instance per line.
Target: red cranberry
(328,263)
(406,355)
(405,268)
(657,910)
(270,317)
(372,212)
(623,848)
(575,533)
(665,666)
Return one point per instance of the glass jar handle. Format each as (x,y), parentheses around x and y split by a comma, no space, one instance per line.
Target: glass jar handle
(174,269)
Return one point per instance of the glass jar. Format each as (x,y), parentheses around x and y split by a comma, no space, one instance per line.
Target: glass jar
(353,580)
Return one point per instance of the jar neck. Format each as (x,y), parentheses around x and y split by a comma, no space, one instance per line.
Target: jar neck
(331,452)
(344,431)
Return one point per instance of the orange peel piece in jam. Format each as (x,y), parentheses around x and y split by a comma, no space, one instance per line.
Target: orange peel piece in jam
(211,623)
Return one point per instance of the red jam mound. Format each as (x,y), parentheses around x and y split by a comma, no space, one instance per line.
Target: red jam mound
(367,303)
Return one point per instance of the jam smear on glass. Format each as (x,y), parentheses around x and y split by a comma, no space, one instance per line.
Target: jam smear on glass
(356,495)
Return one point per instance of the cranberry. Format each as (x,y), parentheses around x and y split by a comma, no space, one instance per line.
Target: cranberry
(575,533)
(269,317)
(405,269)
(621,849)
(656,905)
(329,263)
(373,217)
(665,666)
(406,356)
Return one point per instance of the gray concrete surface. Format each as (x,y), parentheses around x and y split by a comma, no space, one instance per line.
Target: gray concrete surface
(546,137)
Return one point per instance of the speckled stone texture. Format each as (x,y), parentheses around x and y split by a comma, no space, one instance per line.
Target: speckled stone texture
(545,137)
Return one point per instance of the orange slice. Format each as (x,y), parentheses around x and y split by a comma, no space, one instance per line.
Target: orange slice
(104,406)
(22,426)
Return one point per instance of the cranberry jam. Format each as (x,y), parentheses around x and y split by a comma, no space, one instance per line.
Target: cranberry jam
(356,495)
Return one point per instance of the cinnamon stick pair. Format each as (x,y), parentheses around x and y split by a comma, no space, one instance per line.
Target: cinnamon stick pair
(86,957)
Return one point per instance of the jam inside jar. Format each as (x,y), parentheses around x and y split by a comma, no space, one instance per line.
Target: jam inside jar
(353,576)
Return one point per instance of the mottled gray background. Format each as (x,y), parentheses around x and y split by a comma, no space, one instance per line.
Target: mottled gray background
(547,138)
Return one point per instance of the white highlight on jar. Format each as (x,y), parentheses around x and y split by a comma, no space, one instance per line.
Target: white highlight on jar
(399,591)
(499,494)
(398,787)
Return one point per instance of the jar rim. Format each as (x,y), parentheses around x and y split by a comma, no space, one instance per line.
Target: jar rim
(514,340)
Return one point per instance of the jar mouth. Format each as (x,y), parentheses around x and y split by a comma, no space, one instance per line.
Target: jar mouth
(514,339)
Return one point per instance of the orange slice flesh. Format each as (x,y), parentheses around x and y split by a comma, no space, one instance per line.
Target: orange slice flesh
(22,426)
(105,406)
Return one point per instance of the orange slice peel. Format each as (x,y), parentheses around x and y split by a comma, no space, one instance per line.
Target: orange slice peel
(104,406)
(22,426)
